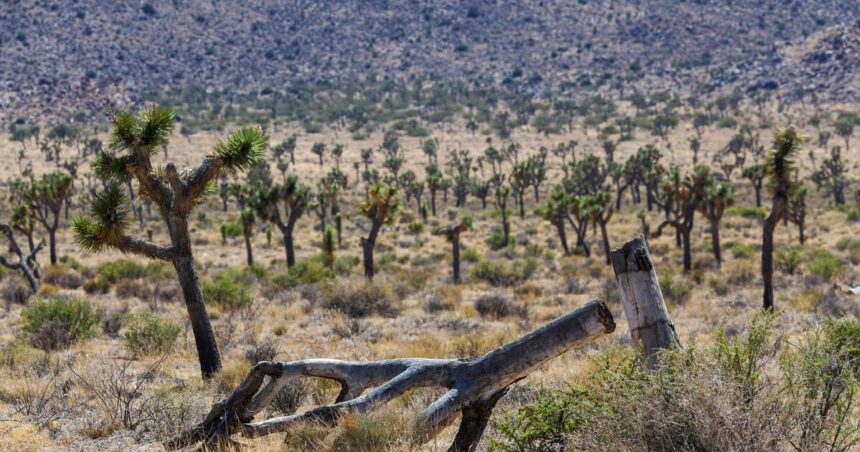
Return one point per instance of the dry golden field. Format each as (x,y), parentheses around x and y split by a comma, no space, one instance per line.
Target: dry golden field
(66,399)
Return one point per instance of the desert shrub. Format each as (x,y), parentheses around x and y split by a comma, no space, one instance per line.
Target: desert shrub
(57,322)
(470,255)
(754,213)
(501,274)
(263,351)
(15,291)
(290,398)
(147,333)
(132,288)
(230,289)
(62,276)
(852,247)
(121,269)
(742,251)
(675,287)
(359,297)
(381,430)
(113,321)
(497,306)
(719,285)
(708,398)
(496,241)
(824,264)
(434,303)
(740,272)
(96,285)
(788,259)
(415,227)
(854,215)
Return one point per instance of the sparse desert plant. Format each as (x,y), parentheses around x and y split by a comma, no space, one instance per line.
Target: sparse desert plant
(500,274)
(57,322)
(135,139)
(358,298)
(147,333)
(230,289)
(675,287)
(788,259)
(824,265)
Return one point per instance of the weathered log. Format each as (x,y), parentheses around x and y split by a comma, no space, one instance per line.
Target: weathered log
(473,386)
(24,260)
(647,316)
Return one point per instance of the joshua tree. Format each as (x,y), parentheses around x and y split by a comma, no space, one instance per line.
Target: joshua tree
(598,207)
(381,208)
(25,260)
(319,149)
(434,184)
(175,194)
(830,176)
(297,199)
(844,127)
(682,198)
(755,174)
(796,210)
(46,198)
(537,171)
(481,190)
(779,168)
(430,147)
(695,146)
(452,233)
(718,196)
(501,199)
(519,183)
(555,212)
(247,217)
(337,153)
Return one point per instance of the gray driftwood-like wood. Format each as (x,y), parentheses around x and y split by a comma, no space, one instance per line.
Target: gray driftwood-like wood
(473,387)
(24,260)
(647,316)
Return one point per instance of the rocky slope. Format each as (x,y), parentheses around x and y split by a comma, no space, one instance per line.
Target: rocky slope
(59,57)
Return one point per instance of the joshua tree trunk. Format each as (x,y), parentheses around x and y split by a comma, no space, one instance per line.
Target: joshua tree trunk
(522,206)
(204,337)
(472,386)
(767,249)
(605,236)
(287,232)
(249,250)
(455,255)
(24,260)
(562,236)
(52,243)
(688,252)
(506,227)
(715,242)
(433,202)
(368,245)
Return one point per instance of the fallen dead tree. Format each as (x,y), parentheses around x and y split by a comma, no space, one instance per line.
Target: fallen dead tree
(473,386)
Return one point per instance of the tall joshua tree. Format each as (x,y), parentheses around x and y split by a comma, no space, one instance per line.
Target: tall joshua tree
(599,209)
(718,196)
(452,233)
(134,140)
(682,199)
(381,207)
(555,212)
(297,199)
(319,149)
(46,198)
(779,168)
(796,210)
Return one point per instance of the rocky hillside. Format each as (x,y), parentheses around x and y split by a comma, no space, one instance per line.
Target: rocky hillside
(59,57)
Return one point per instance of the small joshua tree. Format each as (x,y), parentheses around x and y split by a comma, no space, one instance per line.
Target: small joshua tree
(755,174)
(501,199)
(796,211)
(297,200)
(780,166)
(46,198)
(247,217)
(319,149)
(381,207)
(452,233)
(683,196)
(134,141)
(599,208)
(555,212)
(718,196)
(328,246)
(830,176)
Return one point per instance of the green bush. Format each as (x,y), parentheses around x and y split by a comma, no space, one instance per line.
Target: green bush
(754,213)
(825,265)
(57,322)
(230,289)
(496,241)
(675,287)
(742,251)
(470,255)
(500,274)
(415,227)
(359,297)
(714,397)
(114,271)
(854,215)
(146,333)
(788,259)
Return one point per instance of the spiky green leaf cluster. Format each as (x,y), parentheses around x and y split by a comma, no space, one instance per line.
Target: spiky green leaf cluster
(107,222)
(243,149)
(109,167)
(787,143)
(148,131)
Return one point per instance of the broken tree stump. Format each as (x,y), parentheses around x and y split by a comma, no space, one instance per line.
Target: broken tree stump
(473,386)
(649,321)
